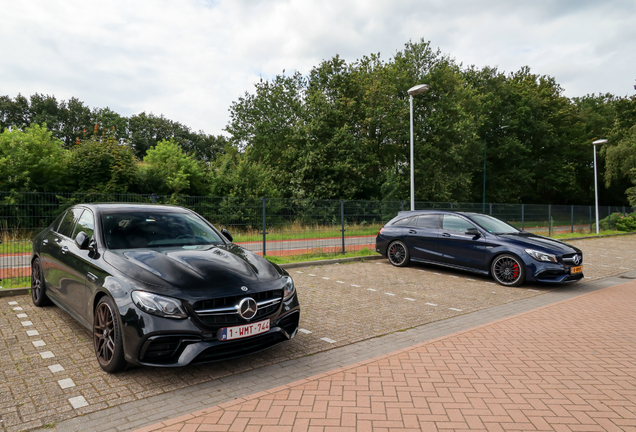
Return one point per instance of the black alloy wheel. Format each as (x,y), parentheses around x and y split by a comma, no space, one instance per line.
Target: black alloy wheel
(398,254)
(38,287)
(107,337)
(508,270)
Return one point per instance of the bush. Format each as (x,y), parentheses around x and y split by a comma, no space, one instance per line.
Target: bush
(626,222)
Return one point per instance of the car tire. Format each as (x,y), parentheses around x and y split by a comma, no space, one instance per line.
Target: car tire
(398,254)
(38,286)
(508,270)
(107,338)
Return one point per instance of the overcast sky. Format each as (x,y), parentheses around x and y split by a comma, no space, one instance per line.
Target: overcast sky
(190,59)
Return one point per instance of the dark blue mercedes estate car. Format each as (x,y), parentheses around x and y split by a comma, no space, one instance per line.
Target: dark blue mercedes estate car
(478,243)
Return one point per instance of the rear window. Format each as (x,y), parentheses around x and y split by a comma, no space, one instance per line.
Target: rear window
(409,221)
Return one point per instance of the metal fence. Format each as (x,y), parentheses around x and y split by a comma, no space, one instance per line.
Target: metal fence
(272,226)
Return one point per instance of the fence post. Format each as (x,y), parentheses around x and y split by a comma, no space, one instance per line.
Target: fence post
(549,220)
(343,228)
(264,225)
(451,206)
(153,197)
(522,216)
(490,209)
(402,205)
(609,218)
(572,218)
(590,219)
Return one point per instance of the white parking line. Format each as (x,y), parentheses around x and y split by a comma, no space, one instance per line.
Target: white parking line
(472,280)
(328,340)
(17,308)
(33,333)
(391,294)
(47,354)
(491,283)
(78,402)
(357,286)
(56,368)
(619,257)
(310,274)
(431,304)
(325,277)
(27,323)
(454,309)
(456,277)
(409,299)
(13,303)
(22,315)
(438,274)
(533,290)
(602,265)
(302,330)
(66,383)
(624,268)
(339,282)
(297,271)
(371,289)
(38,343)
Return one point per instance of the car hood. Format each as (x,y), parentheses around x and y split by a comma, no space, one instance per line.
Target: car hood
(542,243)
(197,268)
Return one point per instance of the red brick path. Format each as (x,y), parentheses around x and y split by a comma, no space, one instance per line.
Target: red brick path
(570,366)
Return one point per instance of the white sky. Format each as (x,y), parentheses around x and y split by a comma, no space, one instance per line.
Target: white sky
(190,59)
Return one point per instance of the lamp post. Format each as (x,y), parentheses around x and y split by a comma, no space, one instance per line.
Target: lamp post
(483,205)
(595,143)
(413,91)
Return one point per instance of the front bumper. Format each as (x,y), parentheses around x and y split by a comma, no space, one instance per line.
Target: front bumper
(554,273)
(162,342)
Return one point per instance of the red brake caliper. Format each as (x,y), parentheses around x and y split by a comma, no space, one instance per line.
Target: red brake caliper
(515,270)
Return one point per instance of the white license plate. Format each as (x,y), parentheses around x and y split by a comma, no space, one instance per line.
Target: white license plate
(243,331)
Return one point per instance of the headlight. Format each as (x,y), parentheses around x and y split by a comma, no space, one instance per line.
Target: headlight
(541,256)
(288,289)
(158,305)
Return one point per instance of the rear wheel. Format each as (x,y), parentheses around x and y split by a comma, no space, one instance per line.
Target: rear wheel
(38,287)
(508,270)
(398,254)
(107,339)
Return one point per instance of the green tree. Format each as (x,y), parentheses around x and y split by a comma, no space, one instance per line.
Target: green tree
(167,169)
(31,160)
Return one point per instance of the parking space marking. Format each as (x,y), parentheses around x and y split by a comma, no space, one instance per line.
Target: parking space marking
(438,274)
(22,315)
(302,330)
(409,299)
(325,277)
(66,383)
(455,309)
(389,294)
(47,354)
(431,304)
(328,340)
(533,290)
(26,323)
(340,282)
(17,308)
(56,368)
(472,280)
(602,265)
(38,343)
(371,289)
(310,274)
(33,333)
(624,268)
(78,402)
(357,286)
(456,277)
(491,283)
(297,271)
(619,257)
(13,303)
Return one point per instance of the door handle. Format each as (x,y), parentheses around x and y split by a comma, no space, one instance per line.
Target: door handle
(91,276)
(446,235)
(45,241)
(412,232)
(64,249)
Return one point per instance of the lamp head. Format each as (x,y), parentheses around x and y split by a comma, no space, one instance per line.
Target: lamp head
(599,142)
(418,89)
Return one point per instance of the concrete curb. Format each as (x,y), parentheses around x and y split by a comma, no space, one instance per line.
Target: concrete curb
(593,237)
(329,261)
(14,292)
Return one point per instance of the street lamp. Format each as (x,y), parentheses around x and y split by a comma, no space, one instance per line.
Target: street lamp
(483,205)
(595,143)
(413,91)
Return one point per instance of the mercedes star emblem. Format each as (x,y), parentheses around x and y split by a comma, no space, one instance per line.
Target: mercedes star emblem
(247,308)
(243,288)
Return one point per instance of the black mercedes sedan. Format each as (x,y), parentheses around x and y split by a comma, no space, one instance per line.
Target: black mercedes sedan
(160,286)
(478,243)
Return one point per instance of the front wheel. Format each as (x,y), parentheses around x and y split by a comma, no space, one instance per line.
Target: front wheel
(398,254)
(107,339)
(508,270)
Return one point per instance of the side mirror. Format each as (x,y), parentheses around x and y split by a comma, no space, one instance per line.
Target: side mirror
(227,234)
(82,240)
(473,232)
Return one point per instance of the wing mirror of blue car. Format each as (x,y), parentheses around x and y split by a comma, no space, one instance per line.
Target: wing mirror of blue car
(82,240)
(227,234)
(473,232)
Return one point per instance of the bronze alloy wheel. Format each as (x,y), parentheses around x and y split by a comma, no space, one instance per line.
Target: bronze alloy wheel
(508,270)
(107,337)
(398,254)
(38,294)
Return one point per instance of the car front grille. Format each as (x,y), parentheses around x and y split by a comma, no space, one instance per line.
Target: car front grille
(224,311)
(570,259)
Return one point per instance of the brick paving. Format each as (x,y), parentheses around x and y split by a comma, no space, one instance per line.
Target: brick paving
(427,303)
(570,366)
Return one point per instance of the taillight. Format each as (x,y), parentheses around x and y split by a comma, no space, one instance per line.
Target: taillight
(380,232)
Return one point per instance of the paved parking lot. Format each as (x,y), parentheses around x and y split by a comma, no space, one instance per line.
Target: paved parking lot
(50,374)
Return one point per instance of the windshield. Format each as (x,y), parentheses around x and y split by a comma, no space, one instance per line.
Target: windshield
(493,225)
(133,230)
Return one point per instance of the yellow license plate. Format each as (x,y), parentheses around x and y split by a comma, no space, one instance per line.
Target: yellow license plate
(578,269)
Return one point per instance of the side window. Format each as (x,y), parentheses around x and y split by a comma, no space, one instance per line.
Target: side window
(455,223)
(56,222)
(405,222)
(428,221)
(85,223)
(66,227)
